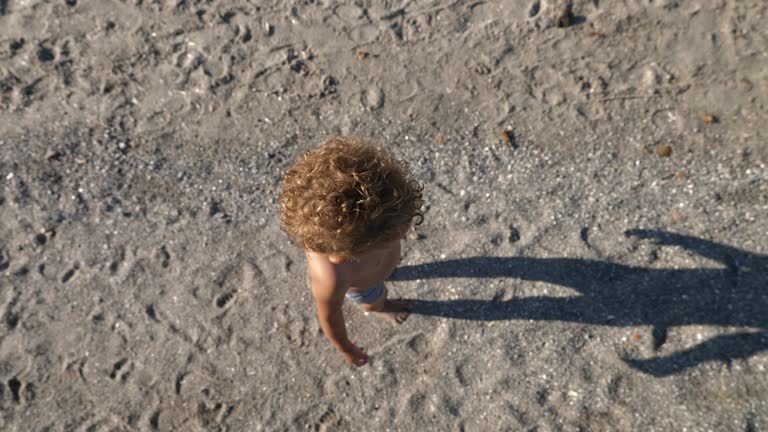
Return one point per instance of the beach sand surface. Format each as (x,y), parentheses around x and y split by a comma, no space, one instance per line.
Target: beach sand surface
(594,254)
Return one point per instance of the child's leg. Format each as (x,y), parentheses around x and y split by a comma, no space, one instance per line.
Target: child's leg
(395,310)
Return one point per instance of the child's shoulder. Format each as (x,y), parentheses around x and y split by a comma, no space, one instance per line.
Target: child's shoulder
(324,273)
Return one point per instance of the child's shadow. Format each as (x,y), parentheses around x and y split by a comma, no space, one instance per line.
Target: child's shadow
(734,295)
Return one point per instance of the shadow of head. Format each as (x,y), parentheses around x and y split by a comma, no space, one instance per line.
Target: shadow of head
(732,295)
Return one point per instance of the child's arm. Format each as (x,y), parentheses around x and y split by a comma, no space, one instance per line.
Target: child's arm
(329,297)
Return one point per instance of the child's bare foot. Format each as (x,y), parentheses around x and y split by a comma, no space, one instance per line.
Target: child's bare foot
(395,310)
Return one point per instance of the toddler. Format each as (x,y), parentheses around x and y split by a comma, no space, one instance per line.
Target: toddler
(349,204)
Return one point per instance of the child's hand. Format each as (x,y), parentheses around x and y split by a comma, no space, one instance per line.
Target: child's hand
(355,355)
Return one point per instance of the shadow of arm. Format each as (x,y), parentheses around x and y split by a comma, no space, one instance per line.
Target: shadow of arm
(576,309)
(729,256)
(724,348)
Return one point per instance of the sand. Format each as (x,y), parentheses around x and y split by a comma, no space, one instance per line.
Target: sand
(594,254)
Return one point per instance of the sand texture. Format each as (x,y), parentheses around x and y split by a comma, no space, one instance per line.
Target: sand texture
(594,255)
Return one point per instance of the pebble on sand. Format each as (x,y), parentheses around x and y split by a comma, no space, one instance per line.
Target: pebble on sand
(508,136)
(663,150)
(440,139)
(565,17)
(707,118)
(52,154)
(514,234)
(416,236)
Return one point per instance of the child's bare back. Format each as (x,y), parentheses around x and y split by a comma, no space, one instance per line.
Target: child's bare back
(361,275)
(349,204)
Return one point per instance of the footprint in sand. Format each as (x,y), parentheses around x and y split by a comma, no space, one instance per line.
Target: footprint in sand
(319,418)
(349,13)
(364,34)
(69,274)
(418,344)
(413,403)
(5,261)
(224,300)
(164,257)
(534,9)
(372,98)
(121,370)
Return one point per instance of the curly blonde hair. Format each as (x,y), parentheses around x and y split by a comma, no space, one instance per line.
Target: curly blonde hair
(347,197)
